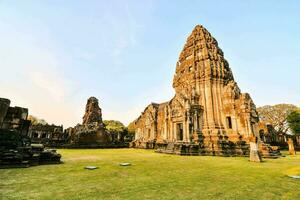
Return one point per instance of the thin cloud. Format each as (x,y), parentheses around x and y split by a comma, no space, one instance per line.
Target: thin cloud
(49,82)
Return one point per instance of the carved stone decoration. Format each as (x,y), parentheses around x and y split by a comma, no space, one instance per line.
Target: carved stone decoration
(208,109)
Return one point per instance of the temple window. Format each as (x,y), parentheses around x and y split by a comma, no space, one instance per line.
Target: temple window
(229,122)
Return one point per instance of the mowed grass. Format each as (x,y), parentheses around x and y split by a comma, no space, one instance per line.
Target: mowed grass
(152,176)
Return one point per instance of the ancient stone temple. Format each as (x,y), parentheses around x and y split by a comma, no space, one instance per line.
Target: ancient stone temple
(208,114)
(91,133)
(16,149)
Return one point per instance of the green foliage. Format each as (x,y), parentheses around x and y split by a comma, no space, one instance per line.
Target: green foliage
(152,176)
(35,121)
(131,128)
(114,126)
(276,115)
(293,120)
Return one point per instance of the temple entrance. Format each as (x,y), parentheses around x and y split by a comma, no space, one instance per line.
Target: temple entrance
(179,131)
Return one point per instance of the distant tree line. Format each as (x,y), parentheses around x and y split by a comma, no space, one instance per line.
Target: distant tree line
(117,127)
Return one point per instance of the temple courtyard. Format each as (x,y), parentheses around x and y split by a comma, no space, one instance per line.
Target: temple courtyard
(152,176)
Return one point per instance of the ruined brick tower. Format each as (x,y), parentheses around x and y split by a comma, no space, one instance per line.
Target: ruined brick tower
(92,112)
(92,132)
(208,114)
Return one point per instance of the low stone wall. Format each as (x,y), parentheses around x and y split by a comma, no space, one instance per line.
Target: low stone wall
(93,146)
(142,144)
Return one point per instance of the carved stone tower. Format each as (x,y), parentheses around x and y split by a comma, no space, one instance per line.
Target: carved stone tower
(208,114)
(203,72)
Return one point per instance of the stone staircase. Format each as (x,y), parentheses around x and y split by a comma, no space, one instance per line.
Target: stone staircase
(170,148)
(268,152)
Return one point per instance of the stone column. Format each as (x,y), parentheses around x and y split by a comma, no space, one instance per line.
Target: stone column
(196,121)
(187,134)
(172,131)
(165,129)
(291,147)
(209,105)
(254,153)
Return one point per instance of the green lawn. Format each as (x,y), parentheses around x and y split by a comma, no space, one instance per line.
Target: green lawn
(152,176)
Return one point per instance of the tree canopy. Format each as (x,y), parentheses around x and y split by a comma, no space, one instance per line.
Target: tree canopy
(35,121)
(114,126)
(277,116)
(293,120)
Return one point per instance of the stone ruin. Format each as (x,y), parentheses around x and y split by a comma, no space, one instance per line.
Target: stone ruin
(92,113)
(208,114)
(16,149)
(269,135)
(13,118)
(48,134)
(91,133)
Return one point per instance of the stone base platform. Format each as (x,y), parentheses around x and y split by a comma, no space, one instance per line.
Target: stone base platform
(202,149)
(207,148)
(142,144)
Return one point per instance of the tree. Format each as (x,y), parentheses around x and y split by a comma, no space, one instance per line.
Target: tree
(35,121)
(277,116)
(116,129)
(293,120)
(131,128)
(114,126)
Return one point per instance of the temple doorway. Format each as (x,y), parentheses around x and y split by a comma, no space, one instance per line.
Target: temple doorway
(179,130)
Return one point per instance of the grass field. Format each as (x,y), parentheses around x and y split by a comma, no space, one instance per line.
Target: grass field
(152,176)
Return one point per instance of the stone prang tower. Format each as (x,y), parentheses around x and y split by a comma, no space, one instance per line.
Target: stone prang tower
(203,77)
(93,112)
(92,132)
(208,114)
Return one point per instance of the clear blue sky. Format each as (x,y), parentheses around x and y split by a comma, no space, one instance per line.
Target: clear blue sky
(55,54)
